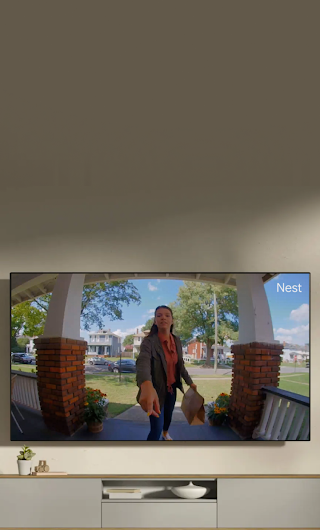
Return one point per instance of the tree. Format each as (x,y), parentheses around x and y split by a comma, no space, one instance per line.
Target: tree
(16,347)
(128,340)
(19,345)
(27,318)
(98,300)
(148,324)
(194,313)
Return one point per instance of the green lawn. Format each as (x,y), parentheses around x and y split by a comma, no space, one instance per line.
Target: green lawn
(24,367)
(213,376)
(297,383)
(122,394)
(197,364)
(299,377)
(292,365)
(209,389)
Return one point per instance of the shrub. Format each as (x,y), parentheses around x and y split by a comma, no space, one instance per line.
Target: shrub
(218,409)
(26,453)
(94,405)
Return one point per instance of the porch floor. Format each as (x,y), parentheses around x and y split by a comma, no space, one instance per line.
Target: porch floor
(34,429)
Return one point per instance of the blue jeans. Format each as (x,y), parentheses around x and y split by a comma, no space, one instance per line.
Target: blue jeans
(162,423)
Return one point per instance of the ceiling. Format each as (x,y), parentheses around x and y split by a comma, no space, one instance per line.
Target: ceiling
(28,286)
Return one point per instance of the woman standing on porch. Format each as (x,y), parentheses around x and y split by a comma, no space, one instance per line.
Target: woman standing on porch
(159,369)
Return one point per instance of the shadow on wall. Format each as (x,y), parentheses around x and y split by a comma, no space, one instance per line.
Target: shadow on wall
(5,362)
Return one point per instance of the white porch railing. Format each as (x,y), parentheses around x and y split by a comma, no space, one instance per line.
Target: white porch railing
(283,415)
(25,389)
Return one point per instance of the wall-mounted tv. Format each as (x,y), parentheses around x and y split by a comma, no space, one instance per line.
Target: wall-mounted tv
(165,357)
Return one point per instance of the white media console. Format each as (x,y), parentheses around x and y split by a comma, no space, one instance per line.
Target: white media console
(81,502)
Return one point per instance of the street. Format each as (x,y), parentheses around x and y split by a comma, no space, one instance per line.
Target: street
(96,369)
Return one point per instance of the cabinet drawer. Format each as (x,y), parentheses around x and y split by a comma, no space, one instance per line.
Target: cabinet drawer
(269,503)
(50,502)
(142,514)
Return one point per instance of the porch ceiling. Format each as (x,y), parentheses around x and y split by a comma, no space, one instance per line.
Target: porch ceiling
(27,286)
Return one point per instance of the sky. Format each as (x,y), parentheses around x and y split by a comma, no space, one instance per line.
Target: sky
(153,293)
(289,310)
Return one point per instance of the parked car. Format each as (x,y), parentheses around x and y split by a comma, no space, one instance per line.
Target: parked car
(127,365)
(307,364)
(99,360)
(23,358)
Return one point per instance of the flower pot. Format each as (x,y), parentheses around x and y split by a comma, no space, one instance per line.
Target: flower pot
(216,421)
(25,467)
(95,426)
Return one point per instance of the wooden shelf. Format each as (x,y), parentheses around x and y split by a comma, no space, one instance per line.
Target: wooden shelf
(159,477)
(163,499)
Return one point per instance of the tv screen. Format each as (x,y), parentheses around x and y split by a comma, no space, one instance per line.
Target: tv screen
(160,357)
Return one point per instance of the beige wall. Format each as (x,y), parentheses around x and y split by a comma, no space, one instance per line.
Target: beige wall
(213,117)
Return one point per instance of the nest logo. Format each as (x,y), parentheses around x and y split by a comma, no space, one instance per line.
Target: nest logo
(289,288)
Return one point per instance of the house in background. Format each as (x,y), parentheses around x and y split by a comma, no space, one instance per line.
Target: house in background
(227,353)
(128,348)
(30,347)
(138,338)
(291,355)
(198,350)
(104,342)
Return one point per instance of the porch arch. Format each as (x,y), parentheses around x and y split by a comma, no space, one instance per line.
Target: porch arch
(61,379)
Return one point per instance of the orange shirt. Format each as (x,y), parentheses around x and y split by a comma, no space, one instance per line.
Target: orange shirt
(170,352)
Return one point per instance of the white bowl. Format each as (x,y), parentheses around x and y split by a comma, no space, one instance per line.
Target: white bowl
(189,492)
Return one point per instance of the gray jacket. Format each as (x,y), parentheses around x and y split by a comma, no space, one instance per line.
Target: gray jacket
(152,366)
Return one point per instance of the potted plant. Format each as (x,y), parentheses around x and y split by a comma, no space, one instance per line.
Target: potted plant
(217,411)
(25,460)
(95,409)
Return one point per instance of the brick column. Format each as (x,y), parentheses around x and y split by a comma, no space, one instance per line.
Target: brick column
(61,382)
(255,365)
